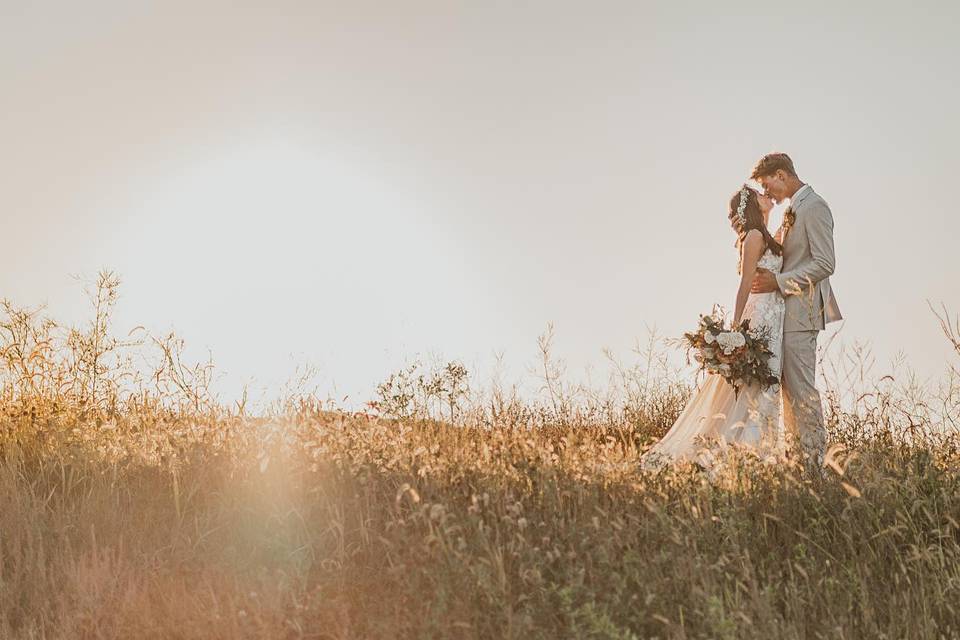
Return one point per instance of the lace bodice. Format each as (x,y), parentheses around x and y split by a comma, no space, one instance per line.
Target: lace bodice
(766,310)
(770,261)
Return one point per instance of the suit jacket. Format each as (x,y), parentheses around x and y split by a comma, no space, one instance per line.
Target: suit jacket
(808,262)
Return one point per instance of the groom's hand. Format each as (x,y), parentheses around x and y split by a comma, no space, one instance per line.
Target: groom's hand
(764,282)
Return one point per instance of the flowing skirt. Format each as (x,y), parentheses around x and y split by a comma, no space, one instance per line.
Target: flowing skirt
(715,417)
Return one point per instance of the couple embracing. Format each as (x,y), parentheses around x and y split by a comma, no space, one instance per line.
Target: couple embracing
(784,293)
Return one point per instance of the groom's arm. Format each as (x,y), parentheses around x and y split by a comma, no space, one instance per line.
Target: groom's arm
(822,261)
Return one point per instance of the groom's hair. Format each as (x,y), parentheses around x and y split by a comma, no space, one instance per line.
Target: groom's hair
(771,163)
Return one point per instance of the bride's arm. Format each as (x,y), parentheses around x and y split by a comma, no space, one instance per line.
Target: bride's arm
(753,247)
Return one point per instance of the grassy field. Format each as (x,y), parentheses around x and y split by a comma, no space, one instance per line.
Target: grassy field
(132,505)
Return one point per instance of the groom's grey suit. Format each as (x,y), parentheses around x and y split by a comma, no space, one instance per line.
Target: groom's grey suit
(808,261)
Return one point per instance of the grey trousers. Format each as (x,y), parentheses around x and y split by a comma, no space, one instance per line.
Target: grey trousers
(802,412)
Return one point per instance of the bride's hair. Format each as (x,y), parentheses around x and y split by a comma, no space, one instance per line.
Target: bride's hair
(752,218)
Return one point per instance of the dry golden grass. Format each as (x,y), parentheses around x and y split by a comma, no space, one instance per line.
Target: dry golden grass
(132,505)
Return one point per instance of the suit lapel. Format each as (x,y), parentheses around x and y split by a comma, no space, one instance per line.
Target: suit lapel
(793,207)
(795,204)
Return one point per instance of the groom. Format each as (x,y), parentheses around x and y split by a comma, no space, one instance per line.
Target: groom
(808,261)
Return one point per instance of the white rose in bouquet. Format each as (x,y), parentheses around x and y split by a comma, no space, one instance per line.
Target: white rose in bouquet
(731,340)
(724,340)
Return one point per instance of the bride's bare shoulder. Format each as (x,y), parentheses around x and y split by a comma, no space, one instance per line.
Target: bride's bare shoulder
(753,239)
(753,247)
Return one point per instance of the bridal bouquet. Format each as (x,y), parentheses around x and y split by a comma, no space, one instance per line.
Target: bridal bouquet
(739,354)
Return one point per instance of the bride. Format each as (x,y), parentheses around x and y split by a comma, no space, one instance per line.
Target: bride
(715,416)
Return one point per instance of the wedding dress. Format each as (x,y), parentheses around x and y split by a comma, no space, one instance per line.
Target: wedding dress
(715,417)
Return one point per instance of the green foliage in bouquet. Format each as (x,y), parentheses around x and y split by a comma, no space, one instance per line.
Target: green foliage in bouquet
(740,355)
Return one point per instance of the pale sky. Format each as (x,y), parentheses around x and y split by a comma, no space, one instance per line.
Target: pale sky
(350,184)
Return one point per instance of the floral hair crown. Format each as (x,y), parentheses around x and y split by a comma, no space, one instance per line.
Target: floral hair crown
(741,218)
